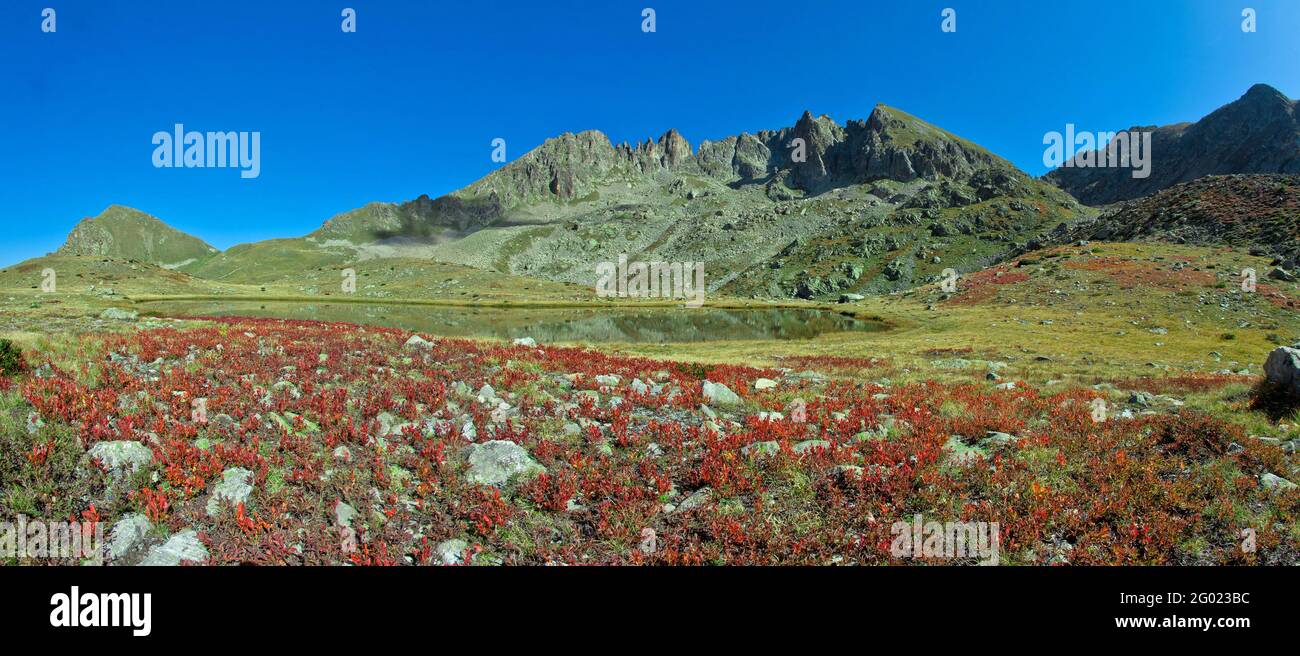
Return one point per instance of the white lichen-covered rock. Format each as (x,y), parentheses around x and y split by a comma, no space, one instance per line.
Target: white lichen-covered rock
(122,457)
(719,394)
(236,487)
(451,552)
(1275,482)
(390,424)
(184,546)
(344,513)
(417,342)
(127,533)
(697,499)
(768,448)
(497,462)
(119,314)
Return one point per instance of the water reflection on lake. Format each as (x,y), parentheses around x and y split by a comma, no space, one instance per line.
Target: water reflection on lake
(590,325)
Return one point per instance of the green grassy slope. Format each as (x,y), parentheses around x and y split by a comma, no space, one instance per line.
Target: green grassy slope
(129,234)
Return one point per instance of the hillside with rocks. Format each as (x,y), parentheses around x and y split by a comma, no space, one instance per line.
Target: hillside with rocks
(872,206)
(1257,133)
(1260,213)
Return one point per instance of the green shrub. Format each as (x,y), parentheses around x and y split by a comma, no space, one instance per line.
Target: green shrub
(11,358)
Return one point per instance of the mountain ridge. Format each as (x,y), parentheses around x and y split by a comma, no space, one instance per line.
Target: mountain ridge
(892,186)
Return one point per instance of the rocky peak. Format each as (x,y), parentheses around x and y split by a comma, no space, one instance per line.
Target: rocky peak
(889,144)
(676,150)
(824,161)
(1257,133)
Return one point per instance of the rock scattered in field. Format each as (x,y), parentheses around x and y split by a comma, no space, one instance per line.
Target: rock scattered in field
(1283,275)
(122,457)
(343,514)
(719,394)
(285,386)
(764,383)
(127,533)
(451,552)
(696,500)
(236,487)
(180,547)
(525,341)
(958,453)
(1283,369)
(808,445)
(996,439)
(417,342)
(609,380)
(34,423)
(953,363)
(1275,482)
(768,448)
(390,424)
(286,423)
(119,314)
(498,461)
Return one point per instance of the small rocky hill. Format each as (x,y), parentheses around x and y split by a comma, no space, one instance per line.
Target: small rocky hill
(129,234)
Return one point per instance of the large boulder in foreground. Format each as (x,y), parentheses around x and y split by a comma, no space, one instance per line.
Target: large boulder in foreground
(719,394)
(498,461)
(1283,370)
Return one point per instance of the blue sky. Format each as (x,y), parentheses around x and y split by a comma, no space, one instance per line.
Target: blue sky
(410,103)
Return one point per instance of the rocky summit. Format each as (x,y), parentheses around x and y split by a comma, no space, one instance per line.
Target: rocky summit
(1257,133)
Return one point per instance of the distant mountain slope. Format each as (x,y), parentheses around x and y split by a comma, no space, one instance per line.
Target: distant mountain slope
(422,218)
(812,210)
(1257,133)
(1257,212)
(129,234)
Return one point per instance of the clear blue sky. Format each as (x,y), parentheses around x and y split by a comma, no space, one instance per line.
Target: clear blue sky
(410,103)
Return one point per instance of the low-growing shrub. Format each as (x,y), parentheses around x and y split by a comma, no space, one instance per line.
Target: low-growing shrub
(11,358)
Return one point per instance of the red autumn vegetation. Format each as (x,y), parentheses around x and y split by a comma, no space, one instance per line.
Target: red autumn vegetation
(282,397)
